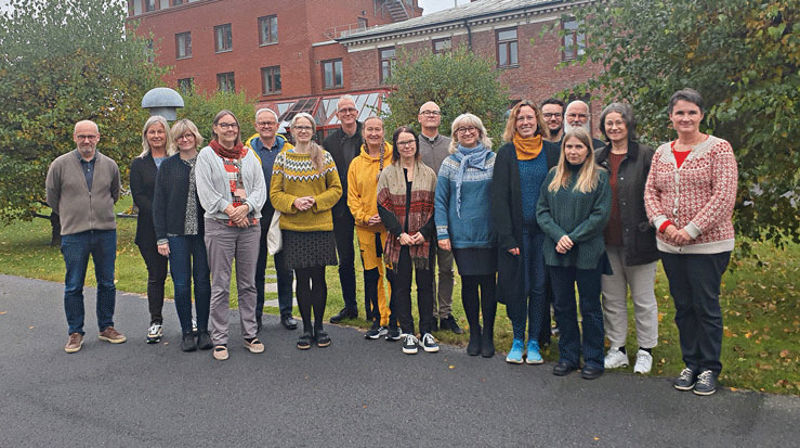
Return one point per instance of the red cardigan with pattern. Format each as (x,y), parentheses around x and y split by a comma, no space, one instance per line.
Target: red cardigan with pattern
(697,197)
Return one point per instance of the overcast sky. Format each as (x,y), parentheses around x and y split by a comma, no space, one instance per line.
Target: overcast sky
(438,5)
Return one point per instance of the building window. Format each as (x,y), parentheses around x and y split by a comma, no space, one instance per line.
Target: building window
(270,80)
(178,2)
(225,82)
(507,47)
(332,73)
(362,23)
(268,29)
(149,5)
(186,85)
(223,38)
(442,45)
(183,45)
(387,62)
(574,42)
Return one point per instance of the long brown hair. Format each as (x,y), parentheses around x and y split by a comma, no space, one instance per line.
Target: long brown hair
(511,124)
(589,172)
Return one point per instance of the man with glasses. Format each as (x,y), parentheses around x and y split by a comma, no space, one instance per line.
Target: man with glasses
(433,148)
(577,116)
(267,145)
(82,187)
(344,144)
(553,113)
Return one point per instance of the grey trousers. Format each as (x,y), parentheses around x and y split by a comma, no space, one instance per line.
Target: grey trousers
(442,306)
(223,244)
(641,279)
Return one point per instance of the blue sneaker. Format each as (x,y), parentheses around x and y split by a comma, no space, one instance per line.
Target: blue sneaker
(515,354)
(533,357)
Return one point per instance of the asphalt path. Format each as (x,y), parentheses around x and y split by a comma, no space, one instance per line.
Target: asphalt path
(354,393)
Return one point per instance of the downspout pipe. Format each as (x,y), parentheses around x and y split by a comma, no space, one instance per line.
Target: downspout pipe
(469,34)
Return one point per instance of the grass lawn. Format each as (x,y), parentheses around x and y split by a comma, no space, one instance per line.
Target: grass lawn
(760,304)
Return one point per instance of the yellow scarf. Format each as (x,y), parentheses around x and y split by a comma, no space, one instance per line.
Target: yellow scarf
(527,148)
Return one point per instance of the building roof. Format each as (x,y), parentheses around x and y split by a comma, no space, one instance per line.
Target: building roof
(478,11)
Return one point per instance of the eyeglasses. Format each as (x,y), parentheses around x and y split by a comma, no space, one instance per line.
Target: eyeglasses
(552,115)
(186,136)
(465,129)
(430,113)
(574,115)
(302,128)
(347,110)
(406,143)
(263,124)
(226,126)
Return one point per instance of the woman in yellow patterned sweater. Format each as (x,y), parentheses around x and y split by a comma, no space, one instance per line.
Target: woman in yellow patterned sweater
(304,187)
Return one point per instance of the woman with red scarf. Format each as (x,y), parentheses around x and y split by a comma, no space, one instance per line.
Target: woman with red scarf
(231,188)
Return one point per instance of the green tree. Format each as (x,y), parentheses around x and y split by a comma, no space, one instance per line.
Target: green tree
(458,81)
(201,109)
(743,57)
(60,62)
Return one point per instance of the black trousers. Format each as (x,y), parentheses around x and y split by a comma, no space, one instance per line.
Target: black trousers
(486,303)
(156,274)
(401,294)
(694,283)
(343,230)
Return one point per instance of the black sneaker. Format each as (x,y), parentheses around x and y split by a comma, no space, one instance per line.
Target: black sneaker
(376,331)
(188,343)
(450,323)
(393,334)
(686,380)
(706,383)
(345,313)
(204,340)
(410,343)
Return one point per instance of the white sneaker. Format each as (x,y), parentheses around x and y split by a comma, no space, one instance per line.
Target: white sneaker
(429,343)
(644,362)
(410,343)
(615,359)
(154,333)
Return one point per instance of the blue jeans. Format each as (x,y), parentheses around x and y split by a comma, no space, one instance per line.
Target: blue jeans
(285,276)
(187,261)
(76,248)
(569,343)
(532,306)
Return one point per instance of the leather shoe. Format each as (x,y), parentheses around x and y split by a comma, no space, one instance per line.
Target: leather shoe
(344,314)
(289,322)
(563,368)
(449,323)
(590,373)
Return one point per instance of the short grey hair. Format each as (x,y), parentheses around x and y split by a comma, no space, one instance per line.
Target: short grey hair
(345,98)
(627,116)
(266,109)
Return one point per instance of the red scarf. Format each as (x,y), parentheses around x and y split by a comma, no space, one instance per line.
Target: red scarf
(237,152)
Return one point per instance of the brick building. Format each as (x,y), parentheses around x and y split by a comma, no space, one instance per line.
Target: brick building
(300,55)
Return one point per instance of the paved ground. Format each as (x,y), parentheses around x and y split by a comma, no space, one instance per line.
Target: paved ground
(354,393)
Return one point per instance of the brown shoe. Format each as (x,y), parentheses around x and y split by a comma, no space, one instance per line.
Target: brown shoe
(254,345)
(220,352)
(111,335)
(74,343)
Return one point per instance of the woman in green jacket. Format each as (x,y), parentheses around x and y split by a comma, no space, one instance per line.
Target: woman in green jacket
(573,209)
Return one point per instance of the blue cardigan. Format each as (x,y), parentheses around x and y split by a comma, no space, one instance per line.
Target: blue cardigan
(473,229)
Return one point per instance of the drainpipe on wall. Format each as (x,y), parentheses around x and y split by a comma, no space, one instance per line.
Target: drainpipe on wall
(469,34)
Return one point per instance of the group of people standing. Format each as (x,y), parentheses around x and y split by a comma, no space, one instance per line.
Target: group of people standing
(551,210)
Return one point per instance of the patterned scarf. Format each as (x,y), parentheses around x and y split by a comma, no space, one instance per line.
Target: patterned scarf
(527,148)
(237,152)
(392,197)
(472,157)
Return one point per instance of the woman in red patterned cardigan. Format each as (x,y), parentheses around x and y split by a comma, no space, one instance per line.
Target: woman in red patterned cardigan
(689,197)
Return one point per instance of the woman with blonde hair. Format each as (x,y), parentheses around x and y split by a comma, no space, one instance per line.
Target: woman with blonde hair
(305,186)
(230,184)
(155,137)
(573,208)
(464,225)
(178,221)
(521,167)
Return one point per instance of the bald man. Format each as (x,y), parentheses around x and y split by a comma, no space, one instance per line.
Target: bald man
(82,188)
(577,115)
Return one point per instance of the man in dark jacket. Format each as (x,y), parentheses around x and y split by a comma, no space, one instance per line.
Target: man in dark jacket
(344,145)
(267,145)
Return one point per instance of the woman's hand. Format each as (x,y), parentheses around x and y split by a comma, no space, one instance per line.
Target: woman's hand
(445,244)
(564,245)
(163,249)
(374,219)
(514,251)
(405,239)
(304,203)
(417,239)
(239,213)
(680,237)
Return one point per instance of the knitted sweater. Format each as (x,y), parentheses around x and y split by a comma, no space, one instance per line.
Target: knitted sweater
(580,216)
(213,186)
(362,182)
(474,227)
(68,194)
(293,176)
(433,152)
(697,197)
